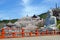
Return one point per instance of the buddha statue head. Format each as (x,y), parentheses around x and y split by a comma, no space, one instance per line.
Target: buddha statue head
(50,13)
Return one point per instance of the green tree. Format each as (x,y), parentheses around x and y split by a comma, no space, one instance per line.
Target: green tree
(58,26)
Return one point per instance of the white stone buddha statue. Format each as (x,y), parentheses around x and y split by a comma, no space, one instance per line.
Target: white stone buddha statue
(50,21)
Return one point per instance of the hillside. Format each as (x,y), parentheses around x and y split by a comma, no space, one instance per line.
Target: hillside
(6,21)
(43,15)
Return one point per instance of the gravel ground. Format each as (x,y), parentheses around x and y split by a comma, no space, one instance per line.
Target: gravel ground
(56,37)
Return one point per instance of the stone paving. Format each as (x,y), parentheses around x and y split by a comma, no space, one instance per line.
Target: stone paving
(56,37)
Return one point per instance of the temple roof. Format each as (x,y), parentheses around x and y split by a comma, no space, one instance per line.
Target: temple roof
(34,16)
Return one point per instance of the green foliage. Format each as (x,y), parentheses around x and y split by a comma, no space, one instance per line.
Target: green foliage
(6,21)
(58,22)
(44,15)
(14,20)
(58,26)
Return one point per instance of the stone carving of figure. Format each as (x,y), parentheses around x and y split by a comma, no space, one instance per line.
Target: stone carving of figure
(50,21)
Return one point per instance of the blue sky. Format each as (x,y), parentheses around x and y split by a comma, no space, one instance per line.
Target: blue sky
(12,9)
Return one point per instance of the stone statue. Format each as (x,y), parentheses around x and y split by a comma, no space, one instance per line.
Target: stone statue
(50,21)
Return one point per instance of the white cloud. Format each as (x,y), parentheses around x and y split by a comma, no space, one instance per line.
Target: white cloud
(25,1)
(28,9)
(31,10)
